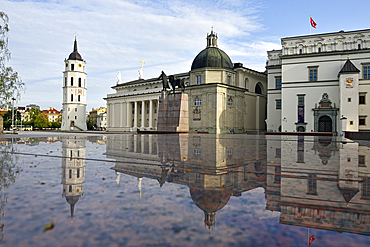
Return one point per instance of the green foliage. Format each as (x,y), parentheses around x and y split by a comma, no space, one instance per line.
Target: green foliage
(8,115)
(56,125)
(10,83)
(42,121)
(34,112)
(90,124)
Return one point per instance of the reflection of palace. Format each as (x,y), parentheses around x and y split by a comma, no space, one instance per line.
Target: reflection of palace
(317,183)
(213,168)
(324,184)
(73,169)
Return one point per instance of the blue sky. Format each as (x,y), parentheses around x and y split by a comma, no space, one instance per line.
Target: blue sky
(115,35)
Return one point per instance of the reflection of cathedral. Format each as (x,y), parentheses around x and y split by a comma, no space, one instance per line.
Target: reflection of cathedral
(214,169)
(313,182)
(73,169)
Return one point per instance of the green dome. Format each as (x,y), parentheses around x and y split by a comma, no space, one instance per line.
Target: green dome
(212,57)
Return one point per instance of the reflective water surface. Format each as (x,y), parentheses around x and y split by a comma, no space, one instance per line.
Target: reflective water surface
(184,190)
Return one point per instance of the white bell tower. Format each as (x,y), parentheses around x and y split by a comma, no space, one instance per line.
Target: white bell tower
(74,92)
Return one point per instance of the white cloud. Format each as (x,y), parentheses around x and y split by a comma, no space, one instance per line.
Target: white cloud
(115,35)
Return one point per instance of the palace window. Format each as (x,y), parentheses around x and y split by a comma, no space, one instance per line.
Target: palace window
(278,104)
(198,102)
(79,98)
(362,99)
(155,107)
(71,81)
(133,109)
(72,67)
(313,74)
(361,161)
(147,108)
(65,81)
(349,99)
(75,109)
(278,82)
(359,46)
(78,172)
(79,82)
(71,97)
(70,173)
(229,80)
(140,108)
(300,109)
(319,49)
(312,184)
(70,188)
(246,83)
(366,70)
(365,187)
(199,79)
(362,121)
(197,152)
(277,178)
(278,153)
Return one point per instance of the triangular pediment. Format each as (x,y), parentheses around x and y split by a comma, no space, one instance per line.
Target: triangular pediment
(339,37)
(300,41)
(318,39)
(359,35)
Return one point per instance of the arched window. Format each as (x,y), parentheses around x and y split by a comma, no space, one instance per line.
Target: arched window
(258,89)
(65,81)
(71,97)
(300,51)
(79,82)
(246,83)
(70,188)
(71,81)
(229,80)
(359,46)
(79,98)
(198,102)
(319,49)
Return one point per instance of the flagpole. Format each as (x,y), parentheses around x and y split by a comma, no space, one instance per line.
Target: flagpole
(310,25)
(308,236)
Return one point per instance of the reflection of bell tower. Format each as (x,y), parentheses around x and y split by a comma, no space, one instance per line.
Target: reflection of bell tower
(73,169)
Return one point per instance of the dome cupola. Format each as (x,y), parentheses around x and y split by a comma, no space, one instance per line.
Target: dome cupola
(212,56)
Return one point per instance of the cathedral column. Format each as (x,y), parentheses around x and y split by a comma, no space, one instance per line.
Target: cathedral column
(150,142)
(143,143)
(108,115)
(143,114)
(135,116)
(129,114)
(151,114)
(121,115)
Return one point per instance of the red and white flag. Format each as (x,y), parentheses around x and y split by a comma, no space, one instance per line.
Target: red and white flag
(313,23)
(312,238)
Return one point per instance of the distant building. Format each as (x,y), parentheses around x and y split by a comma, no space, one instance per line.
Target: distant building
(101,121)
(319,83)
(28,107)
(94,115)
(52,113)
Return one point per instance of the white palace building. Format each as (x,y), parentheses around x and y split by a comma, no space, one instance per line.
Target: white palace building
(320,83)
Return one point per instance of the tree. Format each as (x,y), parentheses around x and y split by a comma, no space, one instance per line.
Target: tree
(8,115)
(10,82)
(34,112)
(42,121)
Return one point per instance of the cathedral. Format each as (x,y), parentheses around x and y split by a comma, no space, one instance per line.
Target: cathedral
(224,97)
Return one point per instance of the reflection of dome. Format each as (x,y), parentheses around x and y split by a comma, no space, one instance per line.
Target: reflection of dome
(212,57)
(210,201)
(75,55)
